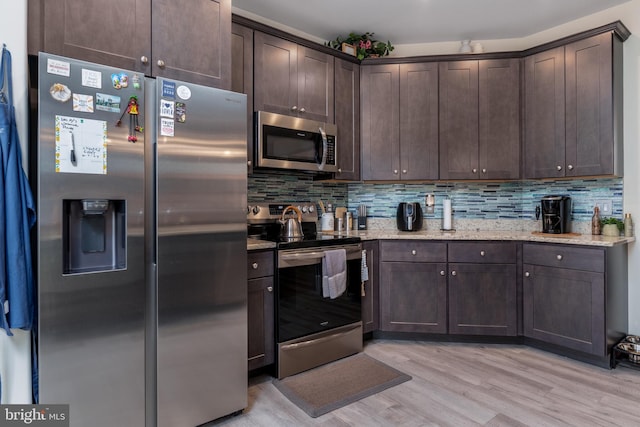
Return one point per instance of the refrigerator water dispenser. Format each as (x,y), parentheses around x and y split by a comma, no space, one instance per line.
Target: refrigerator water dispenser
(94,235)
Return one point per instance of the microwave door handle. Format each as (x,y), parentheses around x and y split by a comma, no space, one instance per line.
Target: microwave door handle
(325,147)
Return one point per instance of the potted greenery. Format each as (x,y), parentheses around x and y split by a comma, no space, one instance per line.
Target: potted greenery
(611,226)
(361,45)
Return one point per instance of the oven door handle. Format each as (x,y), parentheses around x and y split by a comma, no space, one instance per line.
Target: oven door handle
(309,258)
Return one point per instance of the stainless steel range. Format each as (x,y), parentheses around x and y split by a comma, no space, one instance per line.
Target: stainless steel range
(312,327)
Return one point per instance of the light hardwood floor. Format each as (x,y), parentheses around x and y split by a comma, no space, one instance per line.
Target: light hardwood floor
(469,385)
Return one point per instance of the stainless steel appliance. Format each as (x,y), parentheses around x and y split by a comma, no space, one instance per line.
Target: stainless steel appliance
(311,329)
(409,216)
(141,247)
(286,142)
(556,214)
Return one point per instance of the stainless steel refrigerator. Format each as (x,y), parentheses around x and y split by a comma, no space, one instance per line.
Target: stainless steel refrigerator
(141,247)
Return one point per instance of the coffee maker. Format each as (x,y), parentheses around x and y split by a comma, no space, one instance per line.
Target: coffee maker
(409,216)
(556,214)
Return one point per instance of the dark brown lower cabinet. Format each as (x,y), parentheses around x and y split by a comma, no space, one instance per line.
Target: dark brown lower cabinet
(371,297)
(260,308)
(482,299)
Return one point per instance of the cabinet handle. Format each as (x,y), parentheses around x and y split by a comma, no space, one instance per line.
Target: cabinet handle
(559,167)
(442,272)
(484,171)
(254,265)
(527,274)
(294,108)
(302,110)
(144,60)
(413,252)
(570,167)
(474,170)
(559,257)
(270,288)
(481,253)
(395,171)
(453,273)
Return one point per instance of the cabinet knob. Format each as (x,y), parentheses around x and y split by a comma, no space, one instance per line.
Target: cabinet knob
(395,171)
(442,272)
(481,253)
(474,170)
(484,171)
(254,265)
(160,63)
(559,167)
(559,257)
(404,171)
(294,108)
(527,274)
(413,252)
(339,170)
(453,273)
(144,59)
(270,288)
(302,110)
(570,167)
(248,162)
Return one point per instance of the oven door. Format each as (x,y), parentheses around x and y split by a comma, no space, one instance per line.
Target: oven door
(301,308)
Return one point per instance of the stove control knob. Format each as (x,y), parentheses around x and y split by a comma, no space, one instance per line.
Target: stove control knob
(311,208)
(248,210)
(256,209)
(305,209)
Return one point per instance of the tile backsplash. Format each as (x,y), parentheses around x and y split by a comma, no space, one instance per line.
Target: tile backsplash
(470,200)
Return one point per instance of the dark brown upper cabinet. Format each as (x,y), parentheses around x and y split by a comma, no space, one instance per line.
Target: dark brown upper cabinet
(184,39)
(292,79)
(242,77)
(573,109)
(399,104)
(347,110)
(480,119)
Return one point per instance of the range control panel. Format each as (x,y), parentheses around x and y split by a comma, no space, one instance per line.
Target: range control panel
(271,212)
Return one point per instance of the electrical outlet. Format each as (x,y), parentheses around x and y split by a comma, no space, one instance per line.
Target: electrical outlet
(606,206)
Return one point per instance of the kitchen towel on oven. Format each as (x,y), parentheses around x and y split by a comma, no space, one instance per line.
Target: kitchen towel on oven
(334,273)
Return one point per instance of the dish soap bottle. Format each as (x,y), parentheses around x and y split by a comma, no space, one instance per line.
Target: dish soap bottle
(628,225)
(595,221)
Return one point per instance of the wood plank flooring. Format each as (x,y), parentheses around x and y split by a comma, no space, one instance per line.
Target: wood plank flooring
(468,385)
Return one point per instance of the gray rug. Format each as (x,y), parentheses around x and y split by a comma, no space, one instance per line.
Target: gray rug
(339,383)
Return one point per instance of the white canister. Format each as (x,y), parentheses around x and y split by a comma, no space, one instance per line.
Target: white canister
(326,222)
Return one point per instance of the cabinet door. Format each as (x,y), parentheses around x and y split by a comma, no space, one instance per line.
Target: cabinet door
(380,89)
(482,299)
(347,112)
(191,41)
(589,109)
(118,35)
(419,121)
(459,120)
(413,297)
(371,298)
(242,77)
(544,141)
(499,113)
(565,307)
(275,75)
(260,308)
(315,85)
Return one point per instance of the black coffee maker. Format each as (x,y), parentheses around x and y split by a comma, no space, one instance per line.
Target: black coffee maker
(409,216)
(556,214)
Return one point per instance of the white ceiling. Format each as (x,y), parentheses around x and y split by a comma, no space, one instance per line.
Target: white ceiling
(422,21)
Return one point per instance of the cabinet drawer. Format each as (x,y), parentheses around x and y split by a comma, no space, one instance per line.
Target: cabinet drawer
(483,252)
(564,256)
(413,251)
(259,264)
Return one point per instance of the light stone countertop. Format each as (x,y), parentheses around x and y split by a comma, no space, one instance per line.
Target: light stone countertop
(255,244)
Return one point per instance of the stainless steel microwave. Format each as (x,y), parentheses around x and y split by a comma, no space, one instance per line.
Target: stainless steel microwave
(286,142)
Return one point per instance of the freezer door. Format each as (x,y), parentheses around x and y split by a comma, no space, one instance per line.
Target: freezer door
(201,253)
(89,250)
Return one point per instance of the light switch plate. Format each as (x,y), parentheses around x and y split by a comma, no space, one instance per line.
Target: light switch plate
(606,206)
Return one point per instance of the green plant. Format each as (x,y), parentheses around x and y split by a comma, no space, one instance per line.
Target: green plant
(612,220)
(364,44)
